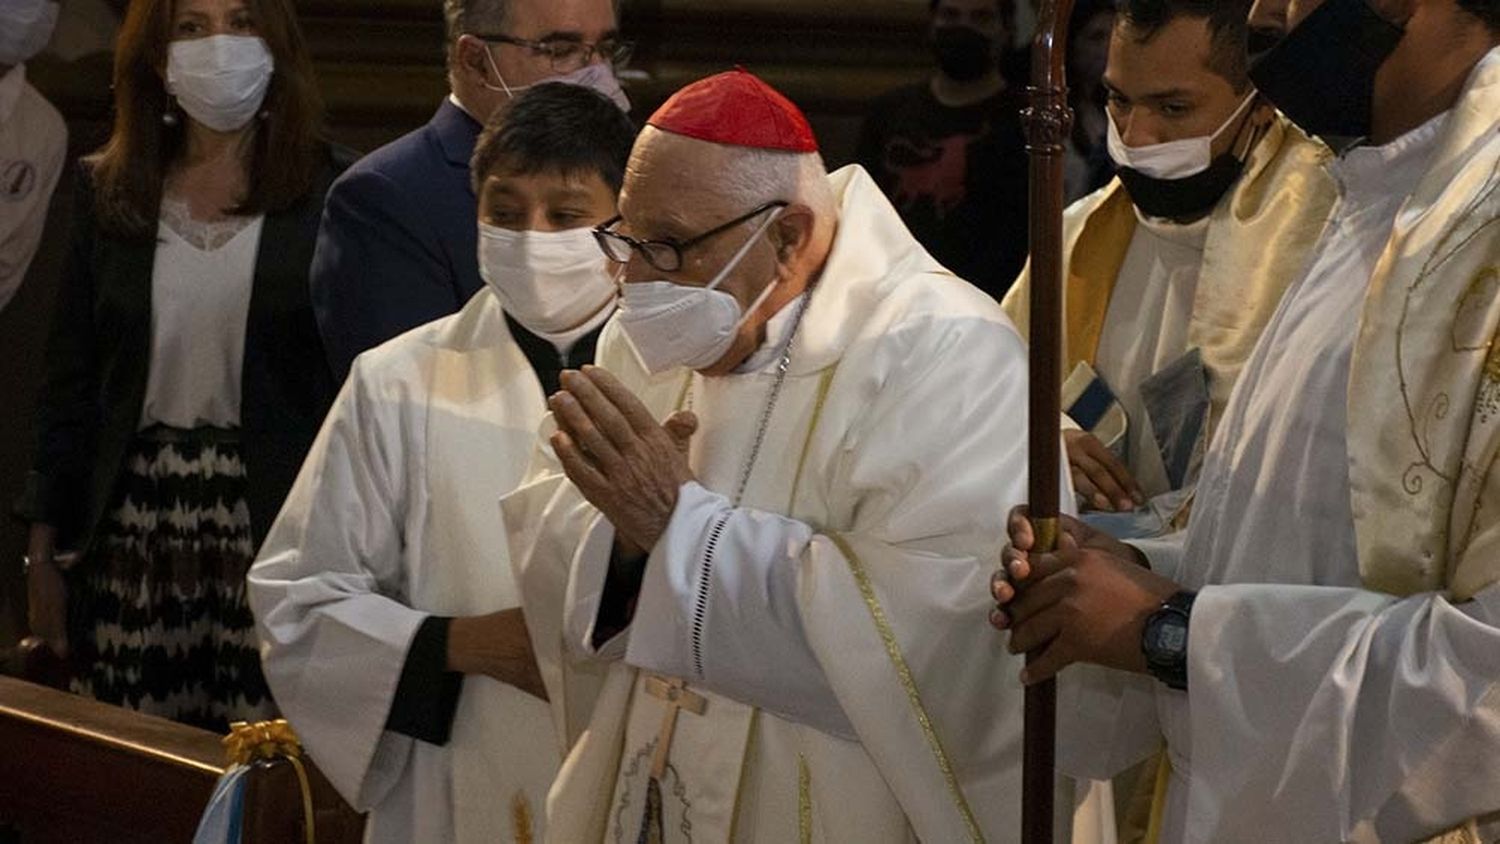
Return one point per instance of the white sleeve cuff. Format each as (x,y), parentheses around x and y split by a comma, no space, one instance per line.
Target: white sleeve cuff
(1164,553)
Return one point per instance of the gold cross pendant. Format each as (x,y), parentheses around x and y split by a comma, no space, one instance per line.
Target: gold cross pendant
(675,693)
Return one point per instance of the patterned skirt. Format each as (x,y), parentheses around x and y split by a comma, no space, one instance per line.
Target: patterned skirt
(159,617)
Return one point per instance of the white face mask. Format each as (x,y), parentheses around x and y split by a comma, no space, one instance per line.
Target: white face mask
(672,325)
(220,81)
(549,281)
(25,28)
(596,76)
(1173,159)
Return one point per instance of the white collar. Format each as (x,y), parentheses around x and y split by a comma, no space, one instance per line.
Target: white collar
(453,98)
(11,86)
(564,341)
(1189,235)
(1366,174)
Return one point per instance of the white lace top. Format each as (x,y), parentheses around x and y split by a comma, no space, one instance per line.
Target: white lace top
(200,299)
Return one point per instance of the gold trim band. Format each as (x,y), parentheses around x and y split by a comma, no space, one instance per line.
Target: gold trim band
(903,673)
(812,428)
(804,801)
(1045,533)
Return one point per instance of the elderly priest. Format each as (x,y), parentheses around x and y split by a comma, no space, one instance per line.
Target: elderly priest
(787,573)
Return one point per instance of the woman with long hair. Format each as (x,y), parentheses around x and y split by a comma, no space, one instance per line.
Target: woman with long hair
(185,377)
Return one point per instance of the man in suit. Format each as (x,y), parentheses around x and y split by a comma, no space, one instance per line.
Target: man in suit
(398,245)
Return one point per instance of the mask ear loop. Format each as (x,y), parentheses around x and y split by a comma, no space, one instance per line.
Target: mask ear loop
(754,306)
(744,250)
(1239,112)
(504,88)
(1244,144)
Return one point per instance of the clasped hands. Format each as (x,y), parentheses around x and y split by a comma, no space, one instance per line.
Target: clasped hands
(621,459)
(1087,601)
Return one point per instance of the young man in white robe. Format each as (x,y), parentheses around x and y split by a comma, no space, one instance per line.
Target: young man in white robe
(770,507)
(390,622)
(1168,283)
(1326,639)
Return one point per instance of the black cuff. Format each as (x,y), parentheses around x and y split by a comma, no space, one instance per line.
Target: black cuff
(622,586)
(427,694)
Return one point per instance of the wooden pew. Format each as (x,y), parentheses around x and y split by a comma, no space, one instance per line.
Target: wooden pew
(74,770)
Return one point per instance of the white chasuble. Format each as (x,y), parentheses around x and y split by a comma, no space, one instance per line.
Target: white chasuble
(837,680)
(395,518)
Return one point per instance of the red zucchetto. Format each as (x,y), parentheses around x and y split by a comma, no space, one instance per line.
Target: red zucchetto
(736,109)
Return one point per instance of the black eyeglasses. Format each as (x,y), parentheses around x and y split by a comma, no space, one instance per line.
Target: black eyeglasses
(664,255)
(568,55)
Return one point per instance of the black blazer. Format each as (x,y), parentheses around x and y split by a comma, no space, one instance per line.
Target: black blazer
(99,357)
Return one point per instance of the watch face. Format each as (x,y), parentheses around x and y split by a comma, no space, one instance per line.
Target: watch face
(1167,637)
(1165,643)
(1172,636)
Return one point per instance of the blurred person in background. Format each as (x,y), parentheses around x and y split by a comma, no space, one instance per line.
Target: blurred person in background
(950,151)
(33,140)
(1087,166)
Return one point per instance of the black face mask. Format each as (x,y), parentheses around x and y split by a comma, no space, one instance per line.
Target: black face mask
(963,54)
(1261,41)
(1182,200)
(1322,73)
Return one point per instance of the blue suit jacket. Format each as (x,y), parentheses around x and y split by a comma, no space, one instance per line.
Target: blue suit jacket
(397,246)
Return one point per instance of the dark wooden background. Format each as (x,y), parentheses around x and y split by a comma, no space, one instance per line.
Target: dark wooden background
(380,61)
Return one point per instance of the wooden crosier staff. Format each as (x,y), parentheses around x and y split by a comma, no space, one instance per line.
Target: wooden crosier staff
(1048,121)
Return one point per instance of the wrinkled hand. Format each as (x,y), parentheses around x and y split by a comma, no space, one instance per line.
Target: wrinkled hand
(1101,480)
(1088,601)
(497,645)
(623,461)
(47,604)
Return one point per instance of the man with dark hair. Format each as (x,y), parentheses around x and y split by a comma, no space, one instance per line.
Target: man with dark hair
(397,245)
(1168,286)
(1226,24)
(1167,290)
(1325,637)
(389,617)
(950,152)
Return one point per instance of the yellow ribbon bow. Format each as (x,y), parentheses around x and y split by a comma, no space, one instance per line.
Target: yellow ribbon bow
(268,740)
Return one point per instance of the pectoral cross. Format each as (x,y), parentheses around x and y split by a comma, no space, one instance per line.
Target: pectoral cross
(677,697)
